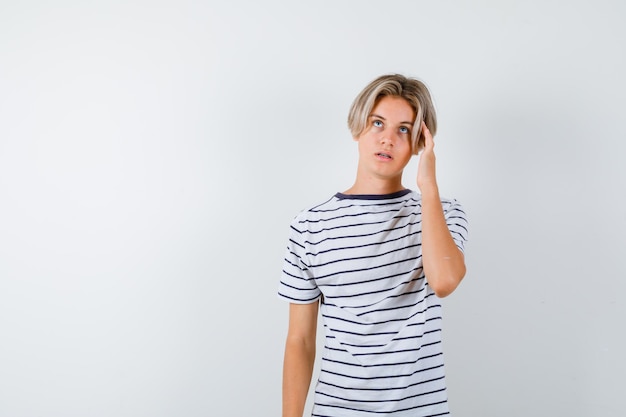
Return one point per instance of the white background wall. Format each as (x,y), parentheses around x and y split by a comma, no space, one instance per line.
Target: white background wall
(153,153)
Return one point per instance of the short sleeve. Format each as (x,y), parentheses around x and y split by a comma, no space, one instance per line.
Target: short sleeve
(457,222)
(297,284)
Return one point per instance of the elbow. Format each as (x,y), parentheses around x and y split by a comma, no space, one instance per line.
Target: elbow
(443,286)
(442,291)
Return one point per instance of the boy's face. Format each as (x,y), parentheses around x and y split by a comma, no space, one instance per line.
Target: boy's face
(385,144)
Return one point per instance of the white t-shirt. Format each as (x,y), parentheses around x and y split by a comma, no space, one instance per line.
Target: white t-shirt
(362,255)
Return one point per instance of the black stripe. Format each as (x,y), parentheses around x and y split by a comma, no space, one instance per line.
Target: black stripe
(299,299)
(364,234)
(382,412)
(390,400)
(382,377)
(366,281)
(348,271)
(399,388)
(364,246)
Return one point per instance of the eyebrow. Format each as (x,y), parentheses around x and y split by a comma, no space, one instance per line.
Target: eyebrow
(382,118)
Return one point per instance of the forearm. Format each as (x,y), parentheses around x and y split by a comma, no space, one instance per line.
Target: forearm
(443,262)
(297,373)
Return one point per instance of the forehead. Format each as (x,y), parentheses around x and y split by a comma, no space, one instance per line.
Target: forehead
(393,107)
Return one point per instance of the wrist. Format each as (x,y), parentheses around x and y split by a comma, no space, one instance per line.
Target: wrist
(429,189)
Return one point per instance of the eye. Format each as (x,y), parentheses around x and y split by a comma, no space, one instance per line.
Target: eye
(377,123)
(404,130)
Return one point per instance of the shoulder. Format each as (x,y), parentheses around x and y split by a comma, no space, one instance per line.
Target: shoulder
(315,212)
(454,213)
(451,204)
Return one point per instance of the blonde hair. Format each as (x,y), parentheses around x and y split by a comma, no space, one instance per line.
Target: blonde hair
(412,90)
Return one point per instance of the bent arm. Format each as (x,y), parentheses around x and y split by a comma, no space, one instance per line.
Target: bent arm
(299,357)
(443,261)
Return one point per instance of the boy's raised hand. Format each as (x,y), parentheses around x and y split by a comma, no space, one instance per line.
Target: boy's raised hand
(426,169)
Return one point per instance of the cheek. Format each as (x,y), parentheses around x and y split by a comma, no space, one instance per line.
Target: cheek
(368,139)
(406,142)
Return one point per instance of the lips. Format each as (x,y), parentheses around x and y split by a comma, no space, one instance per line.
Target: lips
(383,155)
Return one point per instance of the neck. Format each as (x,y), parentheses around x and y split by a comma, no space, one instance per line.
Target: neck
(375,186)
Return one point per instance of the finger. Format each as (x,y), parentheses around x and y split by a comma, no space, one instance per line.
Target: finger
(428,138)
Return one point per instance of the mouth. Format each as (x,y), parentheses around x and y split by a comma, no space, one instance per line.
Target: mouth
(383,155)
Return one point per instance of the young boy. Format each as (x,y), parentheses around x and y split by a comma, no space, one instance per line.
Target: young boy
(375,260)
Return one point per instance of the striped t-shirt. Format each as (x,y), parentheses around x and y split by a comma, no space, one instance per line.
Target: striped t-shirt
(362,255)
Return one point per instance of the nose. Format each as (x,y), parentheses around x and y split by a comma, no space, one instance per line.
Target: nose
(386,139)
